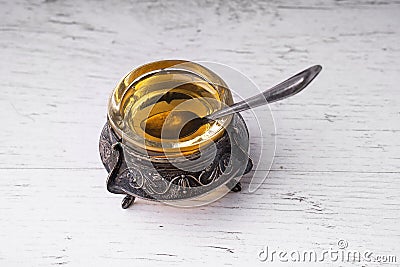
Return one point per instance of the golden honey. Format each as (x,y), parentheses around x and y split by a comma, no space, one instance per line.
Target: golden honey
(145,99)
(166,93)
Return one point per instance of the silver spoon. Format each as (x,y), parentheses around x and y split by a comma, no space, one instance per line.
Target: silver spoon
(287,88)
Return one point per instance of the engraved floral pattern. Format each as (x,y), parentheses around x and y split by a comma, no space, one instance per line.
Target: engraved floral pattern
(151,182)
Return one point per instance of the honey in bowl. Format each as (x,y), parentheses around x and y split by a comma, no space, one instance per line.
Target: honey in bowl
(162,103)
(164,95)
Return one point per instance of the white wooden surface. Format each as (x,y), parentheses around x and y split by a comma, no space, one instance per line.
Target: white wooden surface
(337,166)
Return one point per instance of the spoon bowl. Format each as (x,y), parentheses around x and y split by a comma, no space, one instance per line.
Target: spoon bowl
(167,125)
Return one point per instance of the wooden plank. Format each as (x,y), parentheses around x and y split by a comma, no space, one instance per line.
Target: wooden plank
(336,166)
(66,216)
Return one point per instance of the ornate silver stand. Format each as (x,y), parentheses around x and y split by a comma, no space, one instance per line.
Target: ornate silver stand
(139,175)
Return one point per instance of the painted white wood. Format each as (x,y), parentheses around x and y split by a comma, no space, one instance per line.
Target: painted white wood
(337,165)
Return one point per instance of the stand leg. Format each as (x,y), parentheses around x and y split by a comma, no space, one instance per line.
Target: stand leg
(237,187)
(115,170)
(127,201)
(234,186)
(249,166)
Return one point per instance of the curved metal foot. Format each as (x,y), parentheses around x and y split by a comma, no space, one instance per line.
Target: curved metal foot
(237,187)
(234,186)
(249,166)
(127,201)
(115,170)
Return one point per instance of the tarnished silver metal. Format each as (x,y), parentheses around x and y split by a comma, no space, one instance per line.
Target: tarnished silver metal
(138,175)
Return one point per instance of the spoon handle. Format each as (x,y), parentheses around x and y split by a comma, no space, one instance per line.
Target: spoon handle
(287,88)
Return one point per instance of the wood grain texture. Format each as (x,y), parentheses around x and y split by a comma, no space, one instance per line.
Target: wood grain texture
(337,164)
